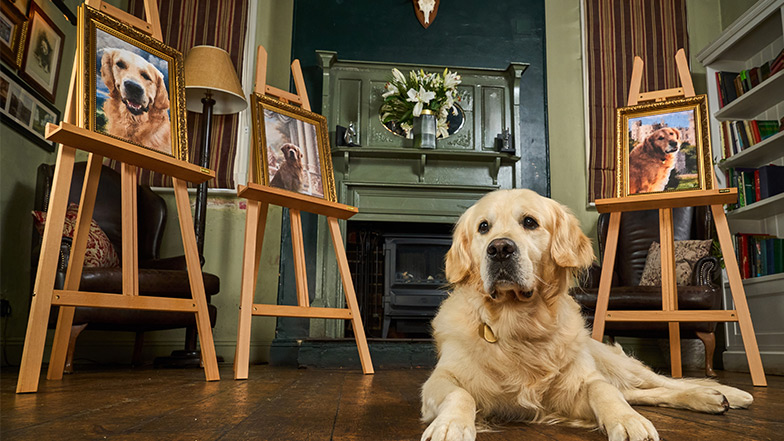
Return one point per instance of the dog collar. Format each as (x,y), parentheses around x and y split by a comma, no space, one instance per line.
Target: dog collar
(486,332)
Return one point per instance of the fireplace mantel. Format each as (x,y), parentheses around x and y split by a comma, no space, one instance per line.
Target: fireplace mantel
(391,181)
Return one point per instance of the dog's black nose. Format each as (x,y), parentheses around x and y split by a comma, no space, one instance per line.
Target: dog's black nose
(501,249)
(133,90)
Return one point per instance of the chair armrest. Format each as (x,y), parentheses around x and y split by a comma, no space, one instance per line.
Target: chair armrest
(62,262)
(705,271)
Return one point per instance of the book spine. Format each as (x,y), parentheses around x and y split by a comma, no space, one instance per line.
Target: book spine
(757,196)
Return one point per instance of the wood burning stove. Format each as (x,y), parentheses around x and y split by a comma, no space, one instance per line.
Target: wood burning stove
(414,281)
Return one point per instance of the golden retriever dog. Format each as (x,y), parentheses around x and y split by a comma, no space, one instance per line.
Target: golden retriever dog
(289,175)
(513,345)
(138,103)
(651,162)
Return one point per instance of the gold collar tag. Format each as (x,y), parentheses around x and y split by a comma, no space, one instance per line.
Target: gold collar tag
(487,333)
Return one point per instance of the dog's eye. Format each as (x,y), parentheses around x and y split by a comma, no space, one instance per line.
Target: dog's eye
(529,223)
(484,227)
(145,76)
(121,65)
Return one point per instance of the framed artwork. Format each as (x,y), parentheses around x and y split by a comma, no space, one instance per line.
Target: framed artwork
(26,111)
(132,85)
(663,146)
(290,148)
(13,29)
(43,50)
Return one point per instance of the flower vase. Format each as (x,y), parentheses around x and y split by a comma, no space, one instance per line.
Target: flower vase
(424,129)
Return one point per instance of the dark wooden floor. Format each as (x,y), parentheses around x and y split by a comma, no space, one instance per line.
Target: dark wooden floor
(304,404)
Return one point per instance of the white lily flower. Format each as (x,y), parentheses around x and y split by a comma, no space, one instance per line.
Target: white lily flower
(451,80)
(442,128)
(391,90)
(421,98)
(398,76)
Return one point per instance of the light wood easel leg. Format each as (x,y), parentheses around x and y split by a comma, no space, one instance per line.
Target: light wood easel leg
(208,355)
(351,296)
(669,287)
(130,231)
(63,331)
(298,249)
(255,223)
(605,282)
(35,337)
(739,297)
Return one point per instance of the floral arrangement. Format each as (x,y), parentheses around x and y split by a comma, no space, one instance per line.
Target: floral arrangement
(406,97)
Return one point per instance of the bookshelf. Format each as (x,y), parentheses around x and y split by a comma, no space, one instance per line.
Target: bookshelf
(755,37)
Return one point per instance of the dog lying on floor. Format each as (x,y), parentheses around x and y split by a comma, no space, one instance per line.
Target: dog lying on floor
(513,345)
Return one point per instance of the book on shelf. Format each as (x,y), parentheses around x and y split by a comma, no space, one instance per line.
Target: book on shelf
(755,184)
(759,254)
(731,85)
(737,136)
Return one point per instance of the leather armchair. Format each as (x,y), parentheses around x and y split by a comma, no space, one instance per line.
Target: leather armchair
(157,277)
(637,231)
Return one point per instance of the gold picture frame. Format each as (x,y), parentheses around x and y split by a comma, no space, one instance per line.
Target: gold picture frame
(13,30)
(663,147)
(132,85)
(291,148)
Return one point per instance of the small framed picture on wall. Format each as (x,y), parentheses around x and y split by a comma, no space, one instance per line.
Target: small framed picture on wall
(13,28)
(24,110)
(43,50)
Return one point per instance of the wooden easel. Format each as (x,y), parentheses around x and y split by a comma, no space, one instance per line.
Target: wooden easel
(68,134)
(259,198)
(665,202)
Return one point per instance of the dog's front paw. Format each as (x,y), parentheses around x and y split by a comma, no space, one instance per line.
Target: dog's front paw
(630,427)
(737,398)
(704,399)
(450,428)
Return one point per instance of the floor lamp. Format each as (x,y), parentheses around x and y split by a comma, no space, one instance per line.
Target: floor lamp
(211,88)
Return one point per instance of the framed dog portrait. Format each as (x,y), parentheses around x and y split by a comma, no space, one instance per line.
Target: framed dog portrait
(663,146)
(24,110)
(43,50)
(132,85)
(290,148)
(13,30)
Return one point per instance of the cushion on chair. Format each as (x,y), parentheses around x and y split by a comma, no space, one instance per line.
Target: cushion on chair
(100,252)
(687,253)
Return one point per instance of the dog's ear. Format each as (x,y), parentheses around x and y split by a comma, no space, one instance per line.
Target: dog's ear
(161,94)
(458,258)
(569,247)
(107,74)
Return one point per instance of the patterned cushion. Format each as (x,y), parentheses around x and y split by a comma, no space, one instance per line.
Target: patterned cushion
(687,253)
(100,252)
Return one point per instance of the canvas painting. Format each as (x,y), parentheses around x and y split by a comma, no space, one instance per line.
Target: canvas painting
(135,86)
(291,150)
(663,147)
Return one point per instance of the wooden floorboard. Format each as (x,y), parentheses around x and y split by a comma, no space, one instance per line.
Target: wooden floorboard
(278,403)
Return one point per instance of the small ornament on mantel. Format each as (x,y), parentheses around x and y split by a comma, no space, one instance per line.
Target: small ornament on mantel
(426,11)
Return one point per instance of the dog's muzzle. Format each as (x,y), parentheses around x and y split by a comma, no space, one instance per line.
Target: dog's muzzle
(503,267)
(672,146)
(134,97)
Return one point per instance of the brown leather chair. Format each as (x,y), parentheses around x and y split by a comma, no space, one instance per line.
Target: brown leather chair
(157,277)
(637,231)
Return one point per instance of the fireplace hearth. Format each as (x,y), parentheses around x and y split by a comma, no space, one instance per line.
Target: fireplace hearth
(398,271)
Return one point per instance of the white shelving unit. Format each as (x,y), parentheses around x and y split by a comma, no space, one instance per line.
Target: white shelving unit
(754,38)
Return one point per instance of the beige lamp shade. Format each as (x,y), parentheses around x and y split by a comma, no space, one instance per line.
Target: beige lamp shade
(209,70)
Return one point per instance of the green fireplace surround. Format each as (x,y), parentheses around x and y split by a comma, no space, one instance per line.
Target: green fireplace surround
(389,180)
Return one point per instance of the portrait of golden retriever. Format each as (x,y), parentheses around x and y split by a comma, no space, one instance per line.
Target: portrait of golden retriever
(651,161)
(513,345)
(138,103)
(289,175)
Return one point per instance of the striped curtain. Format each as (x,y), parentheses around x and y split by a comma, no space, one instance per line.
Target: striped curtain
(189,23)
(616,31)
